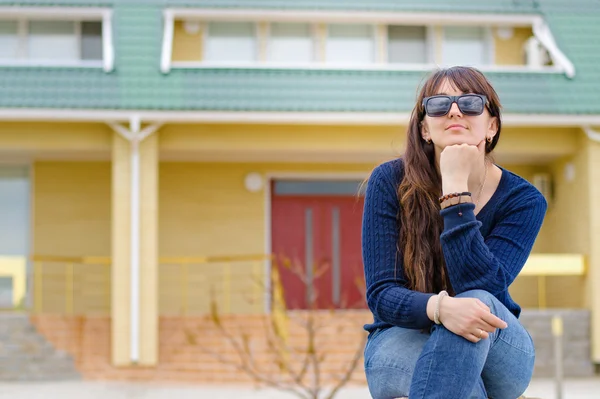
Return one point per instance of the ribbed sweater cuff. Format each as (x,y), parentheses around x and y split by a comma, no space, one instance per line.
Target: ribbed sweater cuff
(420,306)
(452,218)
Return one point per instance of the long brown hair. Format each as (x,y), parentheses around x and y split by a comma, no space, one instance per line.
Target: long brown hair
(421,223)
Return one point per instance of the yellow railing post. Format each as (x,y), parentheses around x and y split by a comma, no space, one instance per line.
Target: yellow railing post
(542,292)
(69,292)
(38,277)
(108,287)
(256,285)
(227,288)
(183,275)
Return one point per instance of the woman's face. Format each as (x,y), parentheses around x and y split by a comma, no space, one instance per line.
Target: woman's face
(455,127)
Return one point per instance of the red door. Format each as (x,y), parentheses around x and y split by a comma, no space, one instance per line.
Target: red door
(318,235)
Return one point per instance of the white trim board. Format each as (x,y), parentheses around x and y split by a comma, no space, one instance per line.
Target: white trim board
(374,66)
(292,118)
(60,13)
(389,17)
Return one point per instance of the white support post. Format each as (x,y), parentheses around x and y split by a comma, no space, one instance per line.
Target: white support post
(135,137)
(135,241)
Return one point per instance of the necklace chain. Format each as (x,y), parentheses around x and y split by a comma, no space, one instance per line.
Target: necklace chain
(482,185)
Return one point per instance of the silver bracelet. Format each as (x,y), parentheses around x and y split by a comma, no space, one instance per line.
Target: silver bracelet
(436,314)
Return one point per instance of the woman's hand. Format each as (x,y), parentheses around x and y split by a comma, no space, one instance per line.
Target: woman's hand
(469,317)
(456,163)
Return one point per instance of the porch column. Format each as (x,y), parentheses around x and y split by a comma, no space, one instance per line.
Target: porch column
(124,351)
(593,274)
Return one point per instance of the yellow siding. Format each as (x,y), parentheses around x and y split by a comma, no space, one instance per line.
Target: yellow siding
(511,51)
(186,46)
(565,230)
(86,139)
(71,208)
(205,209)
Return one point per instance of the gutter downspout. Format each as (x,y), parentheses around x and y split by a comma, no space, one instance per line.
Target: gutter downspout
(135,136)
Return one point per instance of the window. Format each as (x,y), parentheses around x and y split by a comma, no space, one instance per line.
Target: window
(290,43)
(350,44)
(465,46)
(51,40)
(231,41)
(407,44)
(9,40)
(91,41)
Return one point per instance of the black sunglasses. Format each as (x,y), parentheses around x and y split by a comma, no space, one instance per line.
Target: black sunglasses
(468,104)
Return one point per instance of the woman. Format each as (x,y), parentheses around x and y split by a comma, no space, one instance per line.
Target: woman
(445,232)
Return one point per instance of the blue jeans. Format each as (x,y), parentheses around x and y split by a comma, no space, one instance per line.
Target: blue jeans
(440,364)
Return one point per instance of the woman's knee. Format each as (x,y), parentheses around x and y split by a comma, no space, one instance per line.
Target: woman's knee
(387,382)
(390,359)
(482,295)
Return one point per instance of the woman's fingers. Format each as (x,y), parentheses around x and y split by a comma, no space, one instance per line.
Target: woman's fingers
(493,320)
(476,336)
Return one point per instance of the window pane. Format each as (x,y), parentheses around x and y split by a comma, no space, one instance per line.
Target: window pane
(465,46)
(290,43)
(53,40)
(350,44)
(9,42)
(91,40)
(407,44)
(231,41)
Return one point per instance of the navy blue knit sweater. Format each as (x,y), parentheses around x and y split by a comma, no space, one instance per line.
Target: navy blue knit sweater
(484,252)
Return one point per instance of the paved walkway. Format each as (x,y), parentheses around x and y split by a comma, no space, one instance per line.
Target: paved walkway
(545,389)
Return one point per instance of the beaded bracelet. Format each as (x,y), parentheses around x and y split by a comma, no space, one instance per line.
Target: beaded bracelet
(436,314)
(453,195)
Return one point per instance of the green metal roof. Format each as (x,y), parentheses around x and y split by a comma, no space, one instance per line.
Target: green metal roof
(137,83)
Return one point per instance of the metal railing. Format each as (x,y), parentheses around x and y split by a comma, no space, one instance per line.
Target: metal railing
(71,285)
(186,285)
(191,285)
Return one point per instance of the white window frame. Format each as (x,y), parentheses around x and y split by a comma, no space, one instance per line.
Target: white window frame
(25,14)
(313,36)
(562,64)
(488,37)
(257,45)
(430,44)
(375,55)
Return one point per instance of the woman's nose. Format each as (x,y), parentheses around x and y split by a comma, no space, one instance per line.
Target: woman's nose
(454,110)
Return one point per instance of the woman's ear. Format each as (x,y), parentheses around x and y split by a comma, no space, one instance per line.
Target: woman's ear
(424,131)
(492,127)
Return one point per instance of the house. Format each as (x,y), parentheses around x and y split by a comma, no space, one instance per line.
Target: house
(151,149)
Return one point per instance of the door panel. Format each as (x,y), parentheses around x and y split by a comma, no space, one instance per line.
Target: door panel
(319,236)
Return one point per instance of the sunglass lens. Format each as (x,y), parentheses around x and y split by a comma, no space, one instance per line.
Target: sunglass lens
(470,105)
(438,106)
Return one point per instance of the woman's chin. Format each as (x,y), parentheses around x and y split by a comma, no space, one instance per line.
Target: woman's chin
(457,140)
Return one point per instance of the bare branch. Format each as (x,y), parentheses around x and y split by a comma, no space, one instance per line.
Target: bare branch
(350,370)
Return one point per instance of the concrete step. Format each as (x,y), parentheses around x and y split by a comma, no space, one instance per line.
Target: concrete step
(25,355)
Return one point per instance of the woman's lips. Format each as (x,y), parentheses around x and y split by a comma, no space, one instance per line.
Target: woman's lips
(455,126)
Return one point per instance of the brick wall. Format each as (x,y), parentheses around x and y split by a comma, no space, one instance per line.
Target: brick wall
(185,341)
(188,346)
